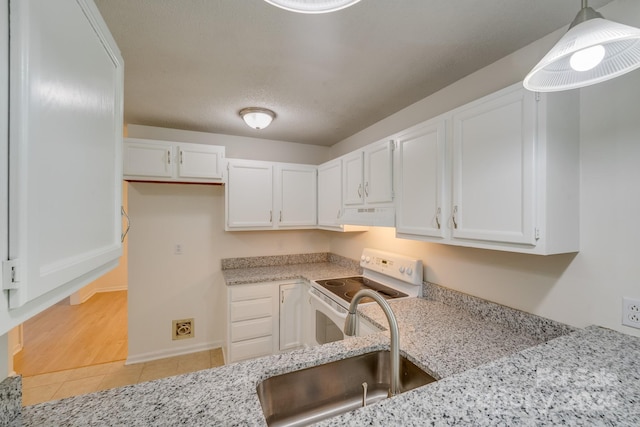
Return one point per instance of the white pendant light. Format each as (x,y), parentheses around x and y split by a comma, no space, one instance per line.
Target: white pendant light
(592,51)
(312,6)
(257,118)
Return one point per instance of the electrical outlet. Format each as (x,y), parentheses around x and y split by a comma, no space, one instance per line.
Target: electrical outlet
(178,249)
(183,329)
(631,312)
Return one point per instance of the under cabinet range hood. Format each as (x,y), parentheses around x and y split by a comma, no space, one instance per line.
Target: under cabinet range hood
(375,217)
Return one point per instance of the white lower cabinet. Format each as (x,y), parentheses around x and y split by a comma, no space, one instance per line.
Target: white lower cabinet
(506,179)
(252,318)
(265,318)
(291,317)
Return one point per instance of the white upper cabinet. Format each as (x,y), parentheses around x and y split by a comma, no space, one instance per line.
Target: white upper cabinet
(65,144)
(149,160)
(249,195)
(330,198)
(493,168)
(378,173)
(329,194)
(267,195)
(296,195)
(511,174)
(368,175)
(421,202)
(368,185)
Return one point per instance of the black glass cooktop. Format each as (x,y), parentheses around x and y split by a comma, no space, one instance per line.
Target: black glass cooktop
(347,287)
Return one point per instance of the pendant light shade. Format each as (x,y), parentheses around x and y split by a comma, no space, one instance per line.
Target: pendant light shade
(592,51)
(257,118)
(312,6)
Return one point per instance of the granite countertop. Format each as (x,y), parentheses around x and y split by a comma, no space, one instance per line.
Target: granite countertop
(495,365)
(314,271)
(591,376)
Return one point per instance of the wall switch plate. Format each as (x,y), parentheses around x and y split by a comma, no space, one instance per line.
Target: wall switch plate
(178,249)
(631,312)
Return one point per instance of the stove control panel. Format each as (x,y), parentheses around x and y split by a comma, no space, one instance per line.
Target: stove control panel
(397,266)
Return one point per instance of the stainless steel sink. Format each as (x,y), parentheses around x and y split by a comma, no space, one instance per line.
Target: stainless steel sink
(303,397)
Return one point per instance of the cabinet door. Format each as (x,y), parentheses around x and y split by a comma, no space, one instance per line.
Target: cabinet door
(378,173)
(297,195)
(329,193)
(291,323)
(421,176)
(249,194)
(352,175)
(200,161)
(493,169)
(65,151)
(148,159)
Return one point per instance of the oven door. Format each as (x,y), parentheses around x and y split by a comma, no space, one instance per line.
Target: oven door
(327,319)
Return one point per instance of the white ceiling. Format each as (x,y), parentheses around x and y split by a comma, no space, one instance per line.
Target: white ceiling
(193,64)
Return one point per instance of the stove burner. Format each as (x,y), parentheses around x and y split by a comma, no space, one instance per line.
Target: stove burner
(334,283)
(346,287)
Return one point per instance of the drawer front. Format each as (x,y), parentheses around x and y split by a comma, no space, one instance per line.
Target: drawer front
(249,329)
(251,348)
(253,309)
(243,293)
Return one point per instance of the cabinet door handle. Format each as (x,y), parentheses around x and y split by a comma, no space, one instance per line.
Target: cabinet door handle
(453,217)
(338,215)
(366,189)
(280,216)
(282,297)
(168,157)
(438,218)
(360,191)
(180,156)
(270,216)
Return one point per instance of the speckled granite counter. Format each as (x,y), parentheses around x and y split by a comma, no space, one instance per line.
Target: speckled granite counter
(482,353)
(590,377)
(238,271)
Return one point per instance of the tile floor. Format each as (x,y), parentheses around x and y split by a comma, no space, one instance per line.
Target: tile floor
(73,382)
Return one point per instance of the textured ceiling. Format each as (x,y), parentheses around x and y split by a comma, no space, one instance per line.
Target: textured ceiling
(193,64)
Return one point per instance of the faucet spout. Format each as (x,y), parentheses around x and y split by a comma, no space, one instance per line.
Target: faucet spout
(350,329)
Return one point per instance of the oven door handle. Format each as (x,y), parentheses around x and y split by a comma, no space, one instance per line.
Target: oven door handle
(327,306)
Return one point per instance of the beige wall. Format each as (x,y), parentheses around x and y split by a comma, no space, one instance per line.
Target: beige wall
(164,286)
(579,289)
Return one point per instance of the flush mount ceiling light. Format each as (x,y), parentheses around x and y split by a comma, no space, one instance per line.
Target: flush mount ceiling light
(257,118)
(312,6)
(592,51)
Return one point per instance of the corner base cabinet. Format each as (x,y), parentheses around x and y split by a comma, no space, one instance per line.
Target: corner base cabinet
(264,318)
(498,173)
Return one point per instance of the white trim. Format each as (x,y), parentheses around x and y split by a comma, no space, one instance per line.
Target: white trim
(162,354)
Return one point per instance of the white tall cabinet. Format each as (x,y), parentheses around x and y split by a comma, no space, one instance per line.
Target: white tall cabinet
(65,163)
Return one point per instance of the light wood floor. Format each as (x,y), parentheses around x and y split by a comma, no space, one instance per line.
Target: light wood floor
(73,336)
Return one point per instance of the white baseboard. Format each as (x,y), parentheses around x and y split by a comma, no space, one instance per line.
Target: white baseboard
(162,354)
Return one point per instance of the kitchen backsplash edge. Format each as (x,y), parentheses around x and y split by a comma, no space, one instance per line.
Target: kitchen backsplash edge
(277,260)
(11,401)
(538,327)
